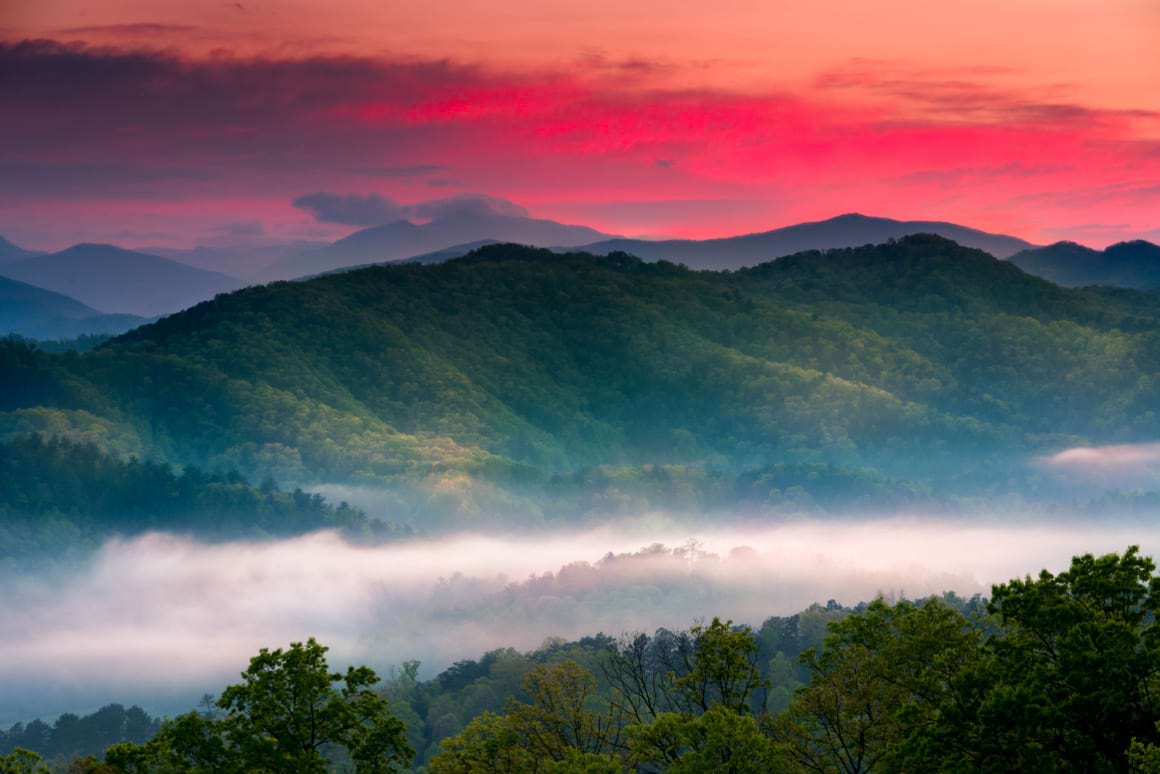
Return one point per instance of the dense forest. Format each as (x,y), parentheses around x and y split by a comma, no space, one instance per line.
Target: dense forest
(56,493)
(1055,672)
(907,370)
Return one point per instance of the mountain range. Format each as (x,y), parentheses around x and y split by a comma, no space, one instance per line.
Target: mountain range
(163,280)
(1126,264)
(404,239)
(36,313)
(850,230)
(527,370)
(112,279)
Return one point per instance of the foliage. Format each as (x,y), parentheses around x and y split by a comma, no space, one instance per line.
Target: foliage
(72,735)
(288,715)
(55,492)
(916,360)
(21,761)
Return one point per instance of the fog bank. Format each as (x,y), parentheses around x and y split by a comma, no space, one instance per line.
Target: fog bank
(162,618)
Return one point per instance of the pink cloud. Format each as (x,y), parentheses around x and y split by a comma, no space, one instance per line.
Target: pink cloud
(142,127)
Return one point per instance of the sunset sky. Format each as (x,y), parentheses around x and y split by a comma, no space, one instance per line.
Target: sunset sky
(158,122)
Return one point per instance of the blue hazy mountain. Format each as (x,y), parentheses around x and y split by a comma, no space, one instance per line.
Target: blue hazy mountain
(37,313)
(1126,264)
(114,280)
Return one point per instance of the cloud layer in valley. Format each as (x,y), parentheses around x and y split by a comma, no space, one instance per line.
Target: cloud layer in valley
(1132,465)
(163,618)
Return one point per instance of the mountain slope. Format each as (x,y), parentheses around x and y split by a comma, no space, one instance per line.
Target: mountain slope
(242,261)
(112,279)
(11,252)
(30,311)
(437,256)
(919,360)
(404,239)
(851,230)
(1126,264)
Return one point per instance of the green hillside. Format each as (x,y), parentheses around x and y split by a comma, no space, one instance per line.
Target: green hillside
(917,360)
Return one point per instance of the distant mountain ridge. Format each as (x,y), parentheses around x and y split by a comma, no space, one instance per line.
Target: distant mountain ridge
(241,261)
(849,230)
(1133,264)
(114,280)
(404,239)
(13,252)
(36,313)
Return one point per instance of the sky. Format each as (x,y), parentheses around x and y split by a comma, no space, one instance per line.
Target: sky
(164,122)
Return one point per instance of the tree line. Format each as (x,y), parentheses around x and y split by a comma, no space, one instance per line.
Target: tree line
(56,493)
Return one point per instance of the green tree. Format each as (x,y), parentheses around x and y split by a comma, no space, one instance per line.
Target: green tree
(286,716)
(21,761)
(877,687)
(719,740)
(490,744)
(1075,674)
(724,668)
(563,725)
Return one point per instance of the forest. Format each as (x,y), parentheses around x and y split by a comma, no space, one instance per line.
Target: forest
(545,385)
(1053,672)
(57,494)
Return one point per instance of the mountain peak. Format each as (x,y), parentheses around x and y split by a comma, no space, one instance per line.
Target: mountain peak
(13,252)
(1134,264)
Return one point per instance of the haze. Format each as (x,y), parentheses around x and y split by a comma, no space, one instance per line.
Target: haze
(162,619)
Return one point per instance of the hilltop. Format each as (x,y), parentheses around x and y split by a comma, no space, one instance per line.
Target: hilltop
(916,360)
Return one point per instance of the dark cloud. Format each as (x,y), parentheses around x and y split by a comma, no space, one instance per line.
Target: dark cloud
(959,175)
(126,177)
(957,92)
(416,170)
(374,209)
(72,109)
(466,206)
(135,29)
(350,209)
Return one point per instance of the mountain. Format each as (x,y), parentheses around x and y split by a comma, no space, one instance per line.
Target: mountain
(851,230)
(11,252)
(449,253)
(437,256)
(1126,264)
(404,239)
(36,313)
(527,370)
(243,261)
(112,279)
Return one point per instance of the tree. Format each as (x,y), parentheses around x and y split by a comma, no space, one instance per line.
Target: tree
(1074,675)
(877,687)
(719,740)
(285,717)
(562,729)
(724,668)
(21,761)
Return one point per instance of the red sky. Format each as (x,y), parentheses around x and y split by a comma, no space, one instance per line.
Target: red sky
(147,122)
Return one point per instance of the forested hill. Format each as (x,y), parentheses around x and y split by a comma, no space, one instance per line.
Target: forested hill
(918,359)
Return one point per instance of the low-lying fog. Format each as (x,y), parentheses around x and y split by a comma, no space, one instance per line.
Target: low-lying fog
(159,620)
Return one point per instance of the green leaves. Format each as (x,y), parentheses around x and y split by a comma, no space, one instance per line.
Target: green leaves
(21,761)
(289,715)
